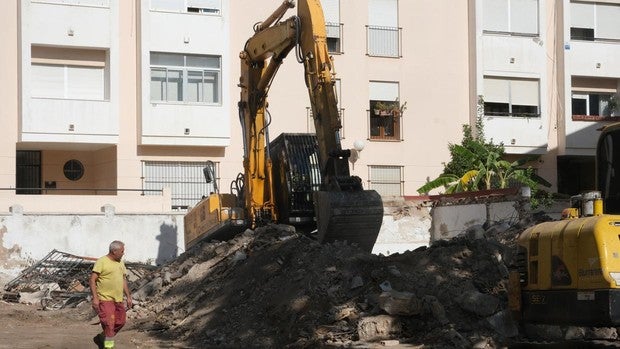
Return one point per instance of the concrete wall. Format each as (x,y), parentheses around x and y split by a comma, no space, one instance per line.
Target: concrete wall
(28,237)
(453,220)
(406,226)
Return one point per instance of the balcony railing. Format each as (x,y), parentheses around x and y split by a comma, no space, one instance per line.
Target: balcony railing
(80,191)
(383,41)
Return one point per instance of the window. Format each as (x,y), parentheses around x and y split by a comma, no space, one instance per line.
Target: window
(386,180)
(511,97)
(28,172)
(186,181)
(383,34)
(58,72)
(188,6)
(594,21)
(93,3)
(73,170)
(185,78)
(331,11)
(594,104)
(510,16)
(594,96)
(384,107)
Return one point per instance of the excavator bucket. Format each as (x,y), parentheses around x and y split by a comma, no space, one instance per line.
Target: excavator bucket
(352,216)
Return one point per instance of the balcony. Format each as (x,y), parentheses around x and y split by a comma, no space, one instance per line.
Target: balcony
(383,41)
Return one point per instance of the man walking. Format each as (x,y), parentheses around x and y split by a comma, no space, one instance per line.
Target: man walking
(108,282)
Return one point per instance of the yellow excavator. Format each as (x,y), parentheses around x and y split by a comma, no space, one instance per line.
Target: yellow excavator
(568,271)
(299,179)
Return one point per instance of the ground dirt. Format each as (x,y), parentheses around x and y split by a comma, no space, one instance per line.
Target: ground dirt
(29,327)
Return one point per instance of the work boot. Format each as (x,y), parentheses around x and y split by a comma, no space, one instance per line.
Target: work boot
(108,343)
(98,339)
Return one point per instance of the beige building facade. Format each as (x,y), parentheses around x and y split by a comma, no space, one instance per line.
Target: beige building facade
(124,102)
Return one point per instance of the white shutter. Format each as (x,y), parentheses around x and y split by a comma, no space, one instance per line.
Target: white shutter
(383,13)
(210,4)
(331,10)
(495,15)
(386,180)
(85,83)
(524,16)
(47,80)
(168,5)
(581,15)
(524,92)
(607,21)
(496,90)
(383,91)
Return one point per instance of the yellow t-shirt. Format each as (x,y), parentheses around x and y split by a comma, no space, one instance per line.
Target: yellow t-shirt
(110,280)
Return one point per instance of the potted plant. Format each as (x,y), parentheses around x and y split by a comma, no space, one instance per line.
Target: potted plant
(386,109)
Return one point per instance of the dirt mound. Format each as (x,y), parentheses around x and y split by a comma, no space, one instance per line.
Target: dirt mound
(273,287)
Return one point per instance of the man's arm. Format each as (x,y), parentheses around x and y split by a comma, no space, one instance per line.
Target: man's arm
(127,293)
(93,289)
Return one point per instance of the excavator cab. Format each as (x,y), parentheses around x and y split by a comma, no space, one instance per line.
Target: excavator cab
(351,215)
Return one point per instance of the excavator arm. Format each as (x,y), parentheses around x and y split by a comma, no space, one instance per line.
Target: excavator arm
(344,211)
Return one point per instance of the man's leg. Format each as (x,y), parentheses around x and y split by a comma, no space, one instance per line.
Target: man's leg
(107,316)
(121,316)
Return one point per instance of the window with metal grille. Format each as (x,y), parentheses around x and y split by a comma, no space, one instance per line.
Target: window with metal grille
(28,172)
(186,181)
(331,11)
(386,180)
(383,36)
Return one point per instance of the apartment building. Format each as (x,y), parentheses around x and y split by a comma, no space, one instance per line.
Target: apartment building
(125,98)
(124,102)
(547,73)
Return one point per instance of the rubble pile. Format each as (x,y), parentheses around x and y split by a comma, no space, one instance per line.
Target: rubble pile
(273,287)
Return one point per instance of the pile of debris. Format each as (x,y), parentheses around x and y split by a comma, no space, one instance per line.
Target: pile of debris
(60,280)
(273,287)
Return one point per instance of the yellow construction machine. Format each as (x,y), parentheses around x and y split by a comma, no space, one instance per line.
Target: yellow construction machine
(568,271)
(298,178)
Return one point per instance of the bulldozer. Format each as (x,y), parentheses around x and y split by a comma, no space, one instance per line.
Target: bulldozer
(298,179)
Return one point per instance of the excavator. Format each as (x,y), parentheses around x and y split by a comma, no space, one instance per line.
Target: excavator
(567,272)
(298,179)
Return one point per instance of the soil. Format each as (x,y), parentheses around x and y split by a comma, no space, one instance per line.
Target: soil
(26,326)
